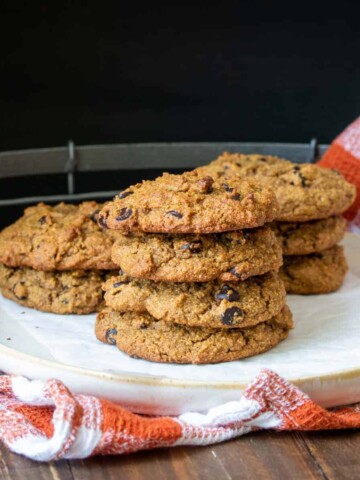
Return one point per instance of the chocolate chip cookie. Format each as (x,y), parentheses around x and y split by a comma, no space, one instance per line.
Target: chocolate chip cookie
(321,272)
(211,304)
(302,238)
(60,237)
(304,191)
(140,335)
(231,256)
(190,203)
(57,292)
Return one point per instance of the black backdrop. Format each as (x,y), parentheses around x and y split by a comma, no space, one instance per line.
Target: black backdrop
(104,72)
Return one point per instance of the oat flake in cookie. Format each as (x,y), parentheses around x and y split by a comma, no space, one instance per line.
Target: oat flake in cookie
(190,203)
(304,191)
(60,237)
(230,256)
(141,336)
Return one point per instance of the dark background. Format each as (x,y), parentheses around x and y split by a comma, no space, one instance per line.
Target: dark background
(106,72)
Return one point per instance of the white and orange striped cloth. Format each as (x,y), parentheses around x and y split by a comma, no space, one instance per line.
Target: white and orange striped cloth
(45,421)
(344,155)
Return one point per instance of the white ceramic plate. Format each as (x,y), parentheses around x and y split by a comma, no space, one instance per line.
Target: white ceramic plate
(321,355)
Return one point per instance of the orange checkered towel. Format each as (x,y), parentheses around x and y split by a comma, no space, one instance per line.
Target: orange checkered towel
(45,421)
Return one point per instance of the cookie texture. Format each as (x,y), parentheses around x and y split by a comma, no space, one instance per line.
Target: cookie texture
(57,292)
(302,238)
(190,203)
(304,191)
(211,304)
(230,256)
(316,273)
(60,237)
(140,335)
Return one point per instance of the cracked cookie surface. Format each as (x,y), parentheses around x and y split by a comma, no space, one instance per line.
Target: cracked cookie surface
(302,238)
(56,292)
(190,203)
(322,272)
(211,304)
(140,335)
(230,256)
(304,191)
(60,237)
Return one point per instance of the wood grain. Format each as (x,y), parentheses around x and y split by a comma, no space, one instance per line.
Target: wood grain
(337,453)
(16,467)
(260,456)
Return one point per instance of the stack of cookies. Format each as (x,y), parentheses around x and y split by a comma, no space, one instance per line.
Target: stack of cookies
(199,271)
(55,258)
(309,223)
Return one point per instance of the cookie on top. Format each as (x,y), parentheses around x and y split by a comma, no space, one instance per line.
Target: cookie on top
(190,203)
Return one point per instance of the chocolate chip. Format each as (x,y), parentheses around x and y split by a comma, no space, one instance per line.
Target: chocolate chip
(118,284)
(234,272)
(125,194)
(109,336)
(237,196)
(230,314)
(205,184)
(304,180)
(246,234)
(227,293)
(102,221)
(193,247)
(42,220)
(93,216)
(174,213)
(65,302)
(227,188)
(135,356)
(124,214)
(143,326)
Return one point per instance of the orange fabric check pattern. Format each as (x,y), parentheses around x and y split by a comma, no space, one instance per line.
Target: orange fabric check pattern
(45,421)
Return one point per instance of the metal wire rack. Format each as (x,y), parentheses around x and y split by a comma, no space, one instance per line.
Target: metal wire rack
(72,159)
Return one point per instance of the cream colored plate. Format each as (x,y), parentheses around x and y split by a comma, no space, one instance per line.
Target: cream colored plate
(321,355)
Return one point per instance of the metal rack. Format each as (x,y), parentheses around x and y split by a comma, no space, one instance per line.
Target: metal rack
(72,159)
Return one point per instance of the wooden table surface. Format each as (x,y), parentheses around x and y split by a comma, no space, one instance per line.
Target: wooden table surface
(261,455)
